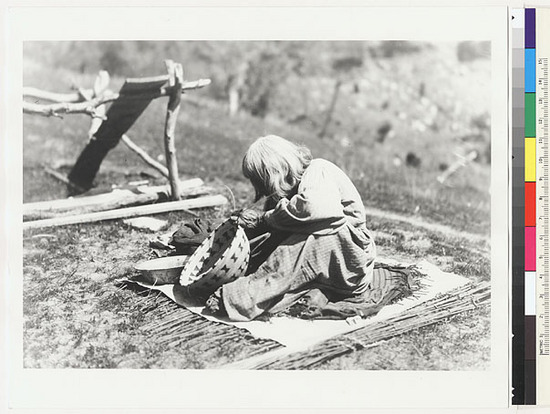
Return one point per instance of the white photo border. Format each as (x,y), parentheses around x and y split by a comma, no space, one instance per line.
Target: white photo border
(298,390)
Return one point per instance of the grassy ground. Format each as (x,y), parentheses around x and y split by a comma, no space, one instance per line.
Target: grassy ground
(77,315)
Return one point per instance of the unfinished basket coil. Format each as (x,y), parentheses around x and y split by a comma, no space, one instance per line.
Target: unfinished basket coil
(221,258)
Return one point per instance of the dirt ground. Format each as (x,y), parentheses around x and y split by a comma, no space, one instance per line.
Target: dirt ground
(77,315)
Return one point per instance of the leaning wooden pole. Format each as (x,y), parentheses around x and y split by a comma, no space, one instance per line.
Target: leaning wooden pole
(176,79)
(331,108)
(144,156)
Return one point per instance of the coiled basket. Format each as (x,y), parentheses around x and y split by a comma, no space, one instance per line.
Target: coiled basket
(221,258)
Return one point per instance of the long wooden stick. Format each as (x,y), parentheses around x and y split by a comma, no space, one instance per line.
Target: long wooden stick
(110,201)
(29,92)
(456,166)
(188,187)
(144,156)
(62,178)
(330,110)
(185,190)
(209,201)
(57,109)
(123,200)
(73,104)
(176,78)
(76,97)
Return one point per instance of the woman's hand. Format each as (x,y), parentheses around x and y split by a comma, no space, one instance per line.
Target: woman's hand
(248,218)
(214,304)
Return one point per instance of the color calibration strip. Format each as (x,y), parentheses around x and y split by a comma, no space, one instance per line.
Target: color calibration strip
(518,206)
(530,372)
(530,39)
(541,290)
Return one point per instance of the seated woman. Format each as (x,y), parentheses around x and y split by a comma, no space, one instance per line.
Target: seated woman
(310,247)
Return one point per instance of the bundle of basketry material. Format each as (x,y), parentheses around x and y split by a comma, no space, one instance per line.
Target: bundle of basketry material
(190,235)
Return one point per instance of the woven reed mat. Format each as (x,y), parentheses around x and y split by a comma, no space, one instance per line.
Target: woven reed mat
(443,306)
(297,334)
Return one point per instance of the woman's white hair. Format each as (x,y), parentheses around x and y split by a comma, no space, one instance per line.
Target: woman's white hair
(275,166)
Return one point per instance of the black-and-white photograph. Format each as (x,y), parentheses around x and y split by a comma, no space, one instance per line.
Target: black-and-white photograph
(279,205)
